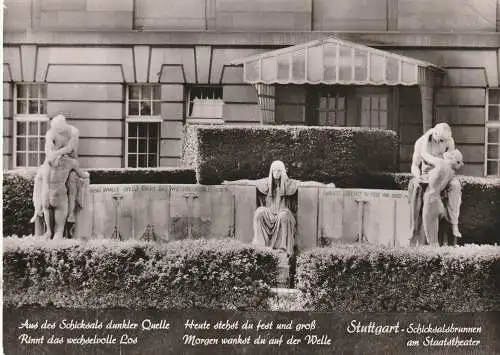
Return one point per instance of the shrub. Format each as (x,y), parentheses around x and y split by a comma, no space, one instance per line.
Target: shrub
(324,154)
(142,176)
(17,203)
(217,274)
(480,209)
(362,277)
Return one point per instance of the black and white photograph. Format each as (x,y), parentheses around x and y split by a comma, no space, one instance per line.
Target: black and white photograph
(250,177)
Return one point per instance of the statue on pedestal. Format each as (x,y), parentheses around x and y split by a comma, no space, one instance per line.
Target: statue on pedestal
(59,183)
(434,164)
(274,222)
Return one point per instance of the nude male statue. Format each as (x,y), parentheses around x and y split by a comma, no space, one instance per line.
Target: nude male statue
(433,144)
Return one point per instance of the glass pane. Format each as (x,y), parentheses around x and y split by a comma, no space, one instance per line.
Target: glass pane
(33,128)
(33,159)
(493,151)
(493,135)
(133,92)
(493,113)
(143,161)
(42,143)
(365,118)
(345,63)
(147,92)
(132,129)
(360,63)
(382,102)
(332,119)
(494,97)
(365,103)
(383,119)
(21,144)
(132,161)
(156,92)
(22,107)
(329,62)
(143,130)
(252,70)
(145,108)
(33,144)
(42,157)
(492,167)
(153,146)
(157,108)
(22,128)
(22,91)
(323,118)
(341,103)
(154,129)
(34,91)
(152,161)
(133,108)
(392,70)
(331,103)
(314,64)
(376,68)
(143,144)
(21,159)
(132,145)
(43,107)
(44,125)
(299,65)
(43,91)
(33,106)
(323,102)
(268,69)
(283,67)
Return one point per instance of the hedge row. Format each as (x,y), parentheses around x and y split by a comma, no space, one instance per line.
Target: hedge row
(198,274)
(480,209)
(143,176)
(362,277)
(324,154)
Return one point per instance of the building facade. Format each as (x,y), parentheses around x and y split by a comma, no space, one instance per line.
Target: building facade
(130,74)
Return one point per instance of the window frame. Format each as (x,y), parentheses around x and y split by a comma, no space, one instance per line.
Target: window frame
(141,119)
(374,110)
(188,100)
(491,124)
(333,92)
(28,117)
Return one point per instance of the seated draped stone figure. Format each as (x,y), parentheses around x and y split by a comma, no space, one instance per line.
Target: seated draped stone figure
(435,161)
(58,191)
(274,223)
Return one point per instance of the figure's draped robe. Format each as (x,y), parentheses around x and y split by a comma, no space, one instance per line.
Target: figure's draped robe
(274,224)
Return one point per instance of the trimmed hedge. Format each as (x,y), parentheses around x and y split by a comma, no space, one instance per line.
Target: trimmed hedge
(325,154)
(143,176)
(362,277)
(480,209)
(196,274)
(18,190)
(17,203)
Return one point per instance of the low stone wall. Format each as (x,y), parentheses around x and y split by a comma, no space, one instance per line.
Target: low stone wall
(167,212)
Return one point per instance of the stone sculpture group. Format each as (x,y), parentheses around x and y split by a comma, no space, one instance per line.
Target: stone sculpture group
(59,187)
(434,191)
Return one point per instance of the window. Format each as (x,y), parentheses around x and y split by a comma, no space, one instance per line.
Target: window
(492,167)
(331,108)
(374,111)
(205,102)
(143,125)
(30,124)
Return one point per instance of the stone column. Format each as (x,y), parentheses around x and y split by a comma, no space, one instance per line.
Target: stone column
(427,97)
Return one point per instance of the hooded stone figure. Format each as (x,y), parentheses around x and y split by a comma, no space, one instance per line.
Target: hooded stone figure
(274,223)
